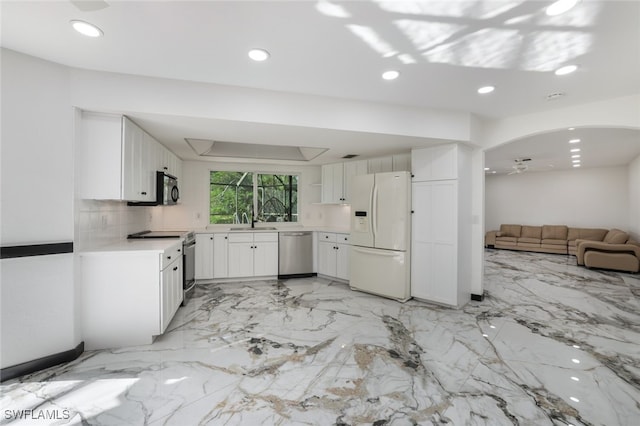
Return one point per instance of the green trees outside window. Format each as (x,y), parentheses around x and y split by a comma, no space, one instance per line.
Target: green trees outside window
(235,196)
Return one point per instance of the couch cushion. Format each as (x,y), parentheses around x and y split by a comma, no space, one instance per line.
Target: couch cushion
(616,236)
(529,240)
(554,232)
(510,230)
(506,240)
(593,234)
(531,232)
(551,241)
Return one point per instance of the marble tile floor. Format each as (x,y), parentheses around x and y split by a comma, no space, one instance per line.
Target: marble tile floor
(551,344)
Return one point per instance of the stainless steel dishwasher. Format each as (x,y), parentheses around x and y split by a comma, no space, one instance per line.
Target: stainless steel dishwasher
(295,254)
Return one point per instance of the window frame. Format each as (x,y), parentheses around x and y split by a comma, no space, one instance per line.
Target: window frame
(255,173)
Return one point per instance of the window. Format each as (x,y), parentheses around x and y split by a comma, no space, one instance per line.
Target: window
(234,196)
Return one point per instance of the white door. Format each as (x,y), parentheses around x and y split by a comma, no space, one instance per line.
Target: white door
(392,210)
(265,259)
(434,242)
(342,261)
(220,256)
(327,258)
(240,259)
(204,257)
(361,211)
(351,169)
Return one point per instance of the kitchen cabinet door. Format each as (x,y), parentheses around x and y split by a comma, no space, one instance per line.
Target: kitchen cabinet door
(327,258)
(171,293)
(220,256)
(204,256)
(333,183)
(342,261)
(434,242)
(138,183)
(402,162)
(240,259)
(351,169)
(265,259)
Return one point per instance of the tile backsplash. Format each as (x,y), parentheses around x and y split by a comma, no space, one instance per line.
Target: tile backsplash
(101,223)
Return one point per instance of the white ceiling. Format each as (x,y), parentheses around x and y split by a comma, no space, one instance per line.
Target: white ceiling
(444,50)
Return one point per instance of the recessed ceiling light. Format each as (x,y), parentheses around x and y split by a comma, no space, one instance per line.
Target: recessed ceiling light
(576,165)
(486,89)
(86,28)
(575,156)
(258,55)
(575,150)
(574,399)
(561,6)
(487,168)
(575,161)
(574,141)
(571,128)
(567,69)
(390,75)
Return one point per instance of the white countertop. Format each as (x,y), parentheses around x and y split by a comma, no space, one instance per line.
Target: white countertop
(224,230)
(150,245)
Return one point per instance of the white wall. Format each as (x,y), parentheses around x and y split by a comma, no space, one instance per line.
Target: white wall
(37,151)
(38,294)
(592,198)
(618,112)
(193,211)
(634,198)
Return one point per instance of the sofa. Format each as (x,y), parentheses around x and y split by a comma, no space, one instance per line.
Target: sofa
(616,251)
(593,247)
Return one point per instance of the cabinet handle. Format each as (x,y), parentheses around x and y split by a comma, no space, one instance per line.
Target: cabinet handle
(168,257)
(225,238)
(166,168)
(144,193)
(175,269)
(211,238)
(179,250)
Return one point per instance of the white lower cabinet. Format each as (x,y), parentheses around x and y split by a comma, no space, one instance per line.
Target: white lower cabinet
(204,257)
(220,255)
(128,297)
(333,255)
(252,254)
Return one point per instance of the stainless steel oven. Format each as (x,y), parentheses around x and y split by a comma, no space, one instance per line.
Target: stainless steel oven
(189,266)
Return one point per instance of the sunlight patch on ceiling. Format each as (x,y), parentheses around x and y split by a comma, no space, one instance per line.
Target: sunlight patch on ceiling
(487,48)
(548,50)
(424,34)
(369,36)
(479,9)
(210,148)
(331,9)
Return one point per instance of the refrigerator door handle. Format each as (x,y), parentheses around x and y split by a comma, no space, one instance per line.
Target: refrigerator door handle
(375,252)
(374,216)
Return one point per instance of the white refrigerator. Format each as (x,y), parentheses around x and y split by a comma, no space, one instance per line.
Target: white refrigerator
(380,234)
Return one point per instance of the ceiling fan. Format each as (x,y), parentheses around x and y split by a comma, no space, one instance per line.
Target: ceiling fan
(519,166)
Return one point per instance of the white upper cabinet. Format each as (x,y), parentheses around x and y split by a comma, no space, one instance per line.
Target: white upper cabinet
(118,160)
(333,183)
(351,169)
(435,163)
(336,180)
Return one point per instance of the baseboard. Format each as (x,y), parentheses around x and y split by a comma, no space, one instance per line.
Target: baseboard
(29,367)
(477,297)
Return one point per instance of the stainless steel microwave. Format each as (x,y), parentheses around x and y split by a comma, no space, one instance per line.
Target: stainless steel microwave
(167,189)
